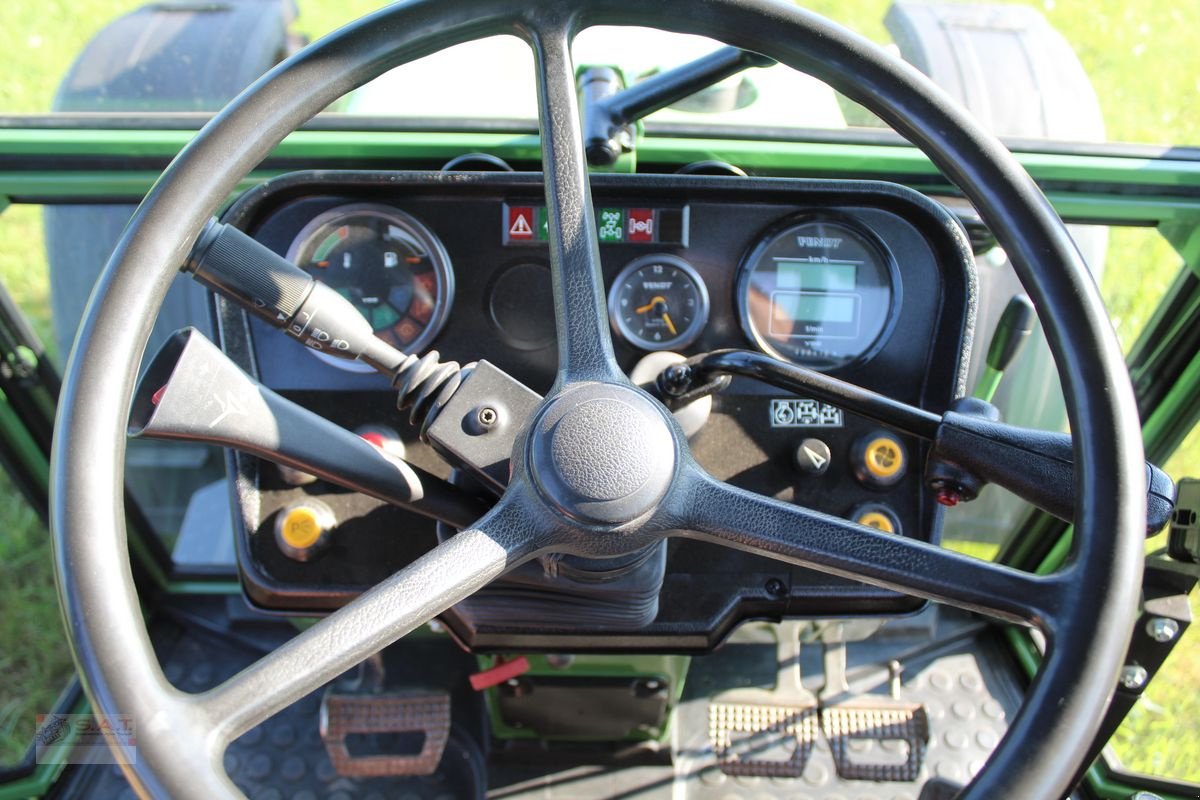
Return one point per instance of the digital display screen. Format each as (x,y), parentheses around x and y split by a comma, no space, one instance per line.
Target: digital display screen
(801,307)
(818,292)
(815,276)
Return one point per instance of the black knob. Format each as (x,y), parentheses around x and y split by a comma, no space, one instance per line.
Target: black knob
(812,457)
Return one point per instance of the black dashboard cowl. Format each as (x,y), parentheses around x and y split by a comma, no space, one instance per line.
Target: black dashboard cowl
(705,591)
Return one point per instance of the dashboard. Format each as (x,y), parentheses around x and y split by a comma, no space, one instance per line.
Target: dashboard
(870,282)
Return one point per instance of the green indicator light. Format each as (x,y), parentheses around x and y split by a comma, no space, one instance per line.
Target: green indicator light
(612,224)
(383,317)
(542,228)
(331,241)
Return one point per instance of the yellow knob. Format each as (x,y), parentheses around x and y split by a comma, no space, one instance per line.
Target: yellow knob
(301,528)
(883,457)
(875,519)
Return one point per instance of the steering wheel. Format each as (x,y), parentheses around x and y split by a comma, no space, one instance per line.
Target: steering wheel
(602,469)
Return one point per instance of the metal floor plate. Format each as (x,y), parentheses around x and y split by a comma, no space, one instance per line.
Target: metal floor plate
(284,758)
(966,697)
(960,676)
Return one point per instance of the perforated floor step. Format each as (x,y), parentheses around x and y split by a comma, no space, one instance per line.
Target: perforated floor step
(901,732)
(767,733)
(347,718)
(284,758)
(871,737)
(771,733)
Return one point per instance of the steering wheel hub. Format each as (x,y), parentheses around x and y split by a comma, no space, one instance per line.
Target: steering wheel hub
(602,453)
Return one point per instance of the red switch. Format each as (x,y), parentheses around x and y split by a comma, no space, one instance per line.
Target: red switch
(520,223)
(500,673)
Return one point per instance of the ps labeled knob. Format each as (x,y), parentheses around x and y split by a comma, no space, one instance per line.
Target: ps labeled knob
(304,529)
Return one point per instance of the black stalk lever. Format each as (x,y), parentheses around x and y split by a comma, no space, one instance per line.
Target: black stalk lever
(971,446)
(286,297)
(192,391)
(1037,466)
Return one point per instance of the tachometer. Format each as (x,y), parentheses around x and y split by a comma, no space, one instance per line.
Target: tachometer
(658,302)
(388,264)
(822,293)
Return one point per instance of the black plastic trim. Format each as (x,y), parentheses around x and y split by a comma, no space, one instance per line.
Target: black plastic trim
(941,381)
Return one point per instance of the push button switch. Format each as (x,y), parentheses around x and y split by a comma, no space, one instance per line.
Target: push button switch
(302,530)
(812,457)
(878,516)
(880,460)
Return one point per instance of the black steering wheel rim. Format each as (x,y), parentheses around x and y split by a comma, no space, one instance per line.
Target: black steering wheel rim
(1095,595)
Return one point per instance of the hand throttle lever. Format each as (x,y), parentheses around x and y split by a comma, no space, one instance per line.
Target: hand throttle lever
(971,446)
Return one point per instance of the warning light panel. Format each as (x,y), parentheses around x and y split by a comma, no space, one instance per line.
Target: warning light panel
(529,224)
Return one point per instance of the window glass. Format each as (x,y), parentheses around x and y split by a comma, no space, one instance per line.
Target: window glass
(1135,268)
(49,259)
(34,659)
(1161,735)
(1105,49)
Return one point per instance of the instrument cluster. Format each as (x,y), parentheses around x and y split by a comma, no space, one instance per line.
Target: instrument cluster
(866,281)
(818,289)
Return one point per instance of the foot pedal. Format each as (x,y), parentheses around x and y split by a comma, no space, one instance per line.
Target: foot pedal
(389,733)
(853,724)
(764,733)
(854,727)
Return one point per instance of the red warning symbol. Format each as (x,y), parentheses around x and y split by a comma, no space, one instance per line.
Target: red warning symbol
(520,223)
(641,225)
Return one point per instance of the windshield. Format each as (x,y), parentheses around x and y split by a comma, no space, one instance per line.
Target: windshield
(767,97)
(1099,54)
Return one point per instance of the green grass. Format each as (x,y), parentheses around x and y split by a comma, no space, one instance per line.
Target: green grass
(1161,735)
(1142,59)
(38,42)
(23,268)
(33,650)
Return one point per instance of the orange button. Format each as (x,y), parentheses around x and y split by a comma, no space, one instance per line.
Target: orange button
(301,528)
(875,519)
(884,457)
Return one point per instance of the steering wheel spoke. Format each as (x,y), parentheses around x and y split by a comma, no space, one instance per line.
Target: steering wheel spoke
(585,349)
(718,512)
(503,539)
